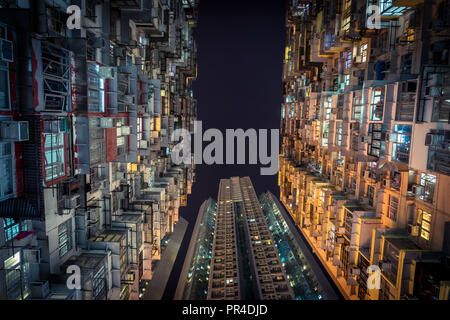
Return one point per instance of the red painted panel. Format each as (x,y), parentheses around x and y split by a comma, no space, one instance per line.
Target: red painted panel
(111,144)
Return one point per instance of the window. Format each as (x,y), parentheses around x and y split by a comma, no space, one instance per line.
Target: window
(4,89)
(377,104)
(376,145)
(56,21)
(326,128)
(353,184)
(140,129)
(408,31)
(438,151)
(428,181)
(370,194)
(326,107)
(12,228)
(65,237)
(338,133)
(424,223)
(441,110)
(364,52)
(392,208)
(348,59)
(347,79)
(6,171)
(99,282)
(401,139)
(96,89)
(357,107)
(54,156)
(346,21)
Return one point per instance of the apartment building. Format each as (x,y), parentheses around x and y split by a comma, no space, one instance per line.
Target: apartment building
(86,118)
(249,248)
(364,166)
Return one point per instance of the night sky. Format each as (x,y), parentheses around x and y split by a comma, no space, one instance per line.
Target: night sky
(239,85)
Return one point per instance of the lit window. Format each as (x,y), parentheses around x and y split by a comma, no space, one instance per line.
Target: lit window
(428,181)
(348,59)
(377,104)
(364,52)
(401,139)
(424,223)
(12,228)
(54,156)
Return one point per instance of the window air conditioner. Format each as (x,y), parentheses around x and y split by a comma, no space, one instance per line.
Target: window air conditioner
(14,131)
(108,72)
(107,123)
(126,130)
(418,190)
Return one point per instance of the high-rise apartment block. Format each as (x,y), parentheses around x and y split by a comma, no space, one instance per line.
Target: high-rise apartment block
(365,161)
(238,248)
(86,117)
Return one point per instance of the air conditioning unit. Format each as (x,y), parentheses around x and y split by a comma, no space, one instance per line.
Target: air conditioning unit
(387,183)
(341,230)
(129,99)
(126,130)
(14,131)
(143,144)
(357,59)
(418,190)
(365,200)
(340,240)
(366,174)
(108,72)
(72,202)
(39,289)
(6,52)
(107,123)
(366,139)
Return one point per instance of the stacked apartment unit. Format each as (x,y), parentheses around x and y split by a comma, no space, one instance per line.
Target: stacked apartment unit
(365,161)
(86,118)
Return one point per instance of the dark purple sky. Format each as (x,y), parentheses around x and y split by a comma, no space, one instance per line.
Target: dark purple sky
(239,85)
